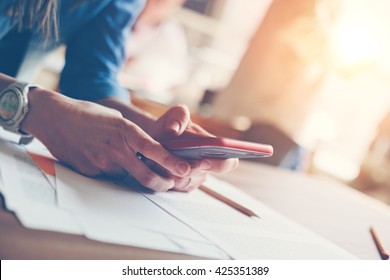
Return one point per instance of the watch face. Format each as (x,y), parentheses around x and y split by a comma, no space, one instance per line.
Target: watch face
(9,104)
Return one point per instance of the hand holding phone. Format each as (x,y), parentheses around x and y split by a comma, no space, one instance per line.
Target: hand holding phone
(213,147)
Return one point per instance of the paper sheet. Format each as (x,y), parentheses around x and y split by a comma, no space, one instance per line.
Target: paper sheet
(192,223)
(269,237)
(327,207)
(44,159)
(114,213)
(28,193)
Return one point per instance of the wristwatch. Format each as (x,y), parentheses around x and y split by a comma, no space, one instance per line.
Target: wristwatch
(14,106)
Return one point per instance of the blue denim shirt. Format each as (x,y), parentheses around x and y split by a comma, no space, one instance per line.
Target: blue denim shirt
(95,34)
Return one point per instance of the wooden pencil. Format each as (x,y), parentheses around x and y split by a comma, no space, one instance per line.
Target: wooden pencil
(379,245)
(228,201)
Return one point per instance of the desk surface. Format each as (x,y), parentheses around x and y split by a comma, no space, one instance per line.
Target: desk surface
(328,208)
(333,210)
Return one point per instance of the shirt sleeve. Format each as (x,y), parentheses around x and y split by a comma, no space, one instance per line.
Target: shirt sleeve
(96,52)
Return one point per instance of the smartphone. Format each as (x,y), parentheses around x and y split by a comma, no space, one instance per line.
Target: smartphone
(212,147)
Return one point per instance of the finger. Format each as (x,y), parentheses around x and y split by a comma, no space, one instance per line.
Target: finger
(177,119)
(154,166)
(133,139)
(215,165)
(162,157)
(182,183)
(190,183)
(145,176)
(194,178)
(201,164)
(173,123)
(153,150)
(194,130)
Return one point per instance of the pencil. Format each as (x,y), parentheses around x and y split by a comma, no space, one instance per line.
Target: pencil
(228,201)
(379,245)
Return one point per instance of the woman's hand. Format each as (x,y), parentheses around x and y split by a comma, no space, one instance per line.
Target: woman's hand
(95,140)
(176,122)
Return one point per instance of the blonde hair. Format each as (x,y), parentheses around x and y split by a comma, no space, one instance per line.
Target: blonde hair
(40,14)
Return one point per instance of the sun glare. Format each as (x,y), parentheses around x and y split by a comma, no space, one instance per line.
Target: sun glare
(355,44)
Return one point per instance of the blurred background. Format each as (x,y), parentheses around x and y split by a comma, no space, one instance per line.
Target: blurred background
(310,77)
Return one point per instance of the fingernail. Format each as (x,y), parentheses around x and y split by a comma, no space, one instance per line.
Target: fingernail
(183,168)
(175,126)
(206,165)
(171,186)
(187,185)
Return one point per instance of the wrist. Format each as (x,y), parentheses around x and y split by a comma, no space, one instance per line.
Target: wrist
(14,105)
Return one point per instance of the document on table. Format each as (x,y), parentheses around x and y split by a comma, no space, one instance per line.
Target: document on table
(192,223)
(27,192)
(44,159)
(115,213)
(271,236)
(106,209)
(121,215)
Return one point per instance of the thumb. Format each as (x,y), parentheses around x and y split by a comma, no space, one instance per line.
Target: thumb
(177,120)
(173,123)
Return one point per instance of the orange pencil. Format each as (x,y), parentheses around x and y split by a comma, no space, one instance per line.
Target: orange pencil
(228,201)
(381,249)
